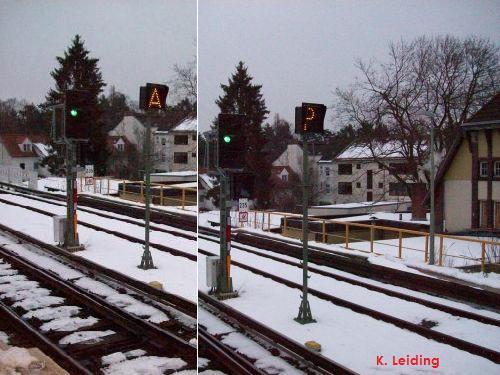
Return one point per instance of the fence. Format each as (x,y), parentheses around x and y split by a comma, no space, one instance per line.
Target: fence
(162,195)
(378,239)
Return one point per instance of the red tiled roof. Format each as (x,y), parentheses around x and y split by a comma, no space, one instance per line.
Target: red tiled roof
(12,142)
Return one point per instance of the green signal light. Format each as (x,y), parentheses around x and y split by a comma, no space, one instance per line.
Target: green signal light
(227,138)
(73,112)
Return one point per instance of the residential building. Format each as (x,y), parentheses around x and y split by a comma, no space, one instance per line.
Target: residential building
(355,176)
(122,156)
(175,149)
(132,129)
(24,151)
(468,181)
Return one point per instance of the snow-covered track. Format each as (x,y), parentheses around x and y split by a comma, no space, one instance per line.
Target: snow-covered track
(109,231)
(68,321)
(358,266)
(302,358)
(185,222)
(57,202)
(85,266)
(401,323)
(389,292)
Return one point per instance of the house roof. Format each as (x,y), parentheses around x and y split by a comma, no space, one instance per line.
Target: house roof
(390,149)
(112,139)
(12,142)
(276,169)
(488,114)
(188,124)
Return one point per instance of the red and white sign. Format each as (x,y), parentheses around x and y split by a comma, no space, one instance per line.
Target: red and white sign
(89,181)
(243,217)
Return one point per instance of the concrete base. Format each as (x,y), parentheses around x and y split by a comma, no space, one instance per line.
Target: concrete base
(42,365)
(74,249)
(223,296)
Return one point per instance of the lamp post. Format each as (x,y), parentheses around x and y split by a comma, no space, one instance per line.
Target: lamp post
(432,227)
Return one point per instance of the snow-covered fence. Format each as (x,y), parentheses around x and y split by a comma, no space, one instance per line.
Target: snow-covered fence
(17,175)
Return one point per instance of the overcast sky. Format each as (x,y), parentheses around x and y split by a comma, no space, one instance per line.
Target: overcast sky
(137,41)
(302,50)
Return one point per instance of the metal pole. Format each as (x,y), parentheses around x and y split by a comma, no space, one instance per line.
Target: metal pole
(224,284)
(70,231)
(432,219)
(305,315)
(147,259)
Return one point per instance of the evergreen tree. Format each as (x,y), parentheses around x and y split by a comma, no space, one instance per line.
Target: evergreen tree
(242,97)
(77,70)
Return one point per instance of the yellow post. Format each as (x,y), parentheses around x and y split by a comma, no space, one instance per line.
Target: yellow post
(347,236)
(108,188)
(124,183)
(284,225)
(255,220)
(324,231)
(371,239)
(183,197)
(483,256)
(269,221)
(400,245)
(161,195)
(142,191)
(441,239)
(94,184)
(426,248)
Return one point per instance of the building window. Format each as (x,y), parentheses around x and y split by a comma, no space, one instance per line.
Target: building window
(327,171)
(163,157)
(120,147)
(397,168)
(345,168)
(180,139)
(358,166)
(163,141)
(483,214)
(345,188)
(358,184)
(27,147)
(380,185)
(497,169)
(483,168)
(193,137)
(397,189)
(35,165)
(193,154)
(22,166)
(180,157)
(328,190)
(284,177)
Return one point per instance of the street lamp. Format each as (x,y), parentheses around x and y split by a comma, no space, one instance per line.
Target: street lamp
(432,228)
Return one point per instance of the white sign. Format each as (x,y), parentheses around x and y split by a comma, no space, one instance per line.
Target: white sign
(89,170)
(243,217)
(243,205)
(89,180)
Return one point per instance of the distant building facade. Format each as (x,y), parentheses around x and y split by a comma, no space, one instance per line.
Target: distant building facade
(24,151)
(354,176)
(468,181)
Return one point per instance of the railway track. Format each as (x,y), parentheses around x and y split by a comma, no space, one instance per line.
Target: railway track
(83,331)
(401,323)
(358,265)
(297,355)
(127,237)
(186,222)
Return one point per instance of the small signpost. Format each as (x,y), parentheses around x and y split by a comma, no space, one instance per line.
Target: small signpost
(243,210)
(89,175)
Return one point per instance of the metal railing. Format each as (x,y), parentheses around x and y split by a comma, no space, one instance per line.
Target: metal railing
(347,234)
(183,199)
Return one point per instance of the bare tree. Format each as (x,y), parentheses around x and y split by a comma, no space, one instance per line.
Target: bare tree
(449,76)
(185,81)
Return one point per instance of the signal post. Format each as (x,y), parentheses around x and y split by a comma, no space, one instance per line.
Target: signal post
(232,149)
(151,97)
(309,119)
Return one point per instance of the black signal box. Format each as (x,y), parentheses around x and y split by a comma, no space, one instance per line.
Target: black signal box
(153,96)
(232,141)
(309,118)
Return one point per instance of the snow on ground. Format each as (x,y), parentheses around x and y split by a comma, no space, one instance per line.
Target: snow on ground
(354,340)
(150,365)
(4,338)
(85,336)
(176,242)
(15,360)
(245,346)
(466,329)
(177,274)
(385,251)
